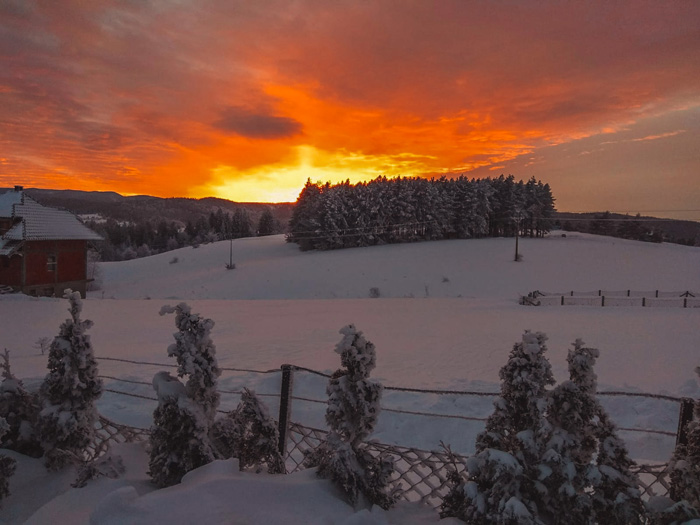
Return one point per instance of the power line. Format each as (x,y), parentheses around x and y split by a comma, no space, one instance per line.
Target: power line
(628,211)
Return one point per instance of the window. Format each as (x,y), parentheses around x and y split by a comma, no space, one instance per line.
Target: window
(51,263)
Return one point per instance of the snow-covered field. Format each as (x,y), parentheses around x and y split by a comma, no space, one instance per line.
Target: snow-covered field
(446,318)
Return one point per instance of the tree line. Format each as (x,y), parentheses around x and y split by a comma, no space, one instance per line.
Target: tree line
(125,240)
(384,211)
(633,227)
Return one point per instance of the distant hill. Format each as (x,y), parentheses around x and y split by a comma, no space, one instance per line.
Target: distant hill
(139,208)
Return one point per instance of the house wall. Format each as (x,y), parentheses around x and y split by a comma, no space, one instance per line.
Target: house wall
(70,270)
(11,270)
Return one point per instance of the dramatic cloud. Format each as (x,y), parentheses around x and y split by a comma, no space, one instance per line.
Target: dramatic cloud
(201,96)
(256,125)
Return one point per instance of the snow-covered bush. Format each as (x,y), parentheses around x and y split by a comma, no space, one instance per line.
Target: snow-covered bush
(685,464)
(196,357)
(109,466)
(504,478)
(20,409)
(7,466)
(547,456)
(249,434)
(66,422)
(665,511)
(352,413)
(571,444)
(179,437)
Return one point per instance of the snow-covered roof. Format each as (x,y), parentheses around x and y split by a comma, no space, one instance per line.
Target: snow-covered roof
(8,200)
(40,223)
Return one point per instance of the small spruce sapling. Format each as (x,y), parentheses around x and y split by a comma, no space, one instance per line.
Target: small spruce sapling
(249,434)
(352,413)
(571,443)
(7,465)
(20,409)
(66,422)
(196,357)
(504,475)
(179,437)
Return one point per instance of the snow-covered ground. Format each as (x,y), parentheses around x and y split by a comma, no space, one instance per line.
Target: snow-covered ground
(446,318)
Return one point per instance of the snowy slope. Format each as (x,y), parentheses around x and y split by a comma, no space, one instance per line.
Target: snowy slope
(269,268)
(457,337)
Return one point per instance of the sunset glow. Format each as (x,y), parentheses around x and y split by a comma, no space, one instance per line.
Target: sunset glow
(247,100)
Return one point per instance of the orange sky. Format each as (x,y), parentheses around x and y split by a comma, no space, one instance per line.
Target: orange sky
(246,100)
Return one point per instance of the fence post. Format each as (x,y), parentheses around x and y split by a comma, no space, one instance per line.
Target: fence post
(644,301)
(285,407)
(562,300)
(602,302)
(657,293)
(685,302)
(628,293)
(684,418)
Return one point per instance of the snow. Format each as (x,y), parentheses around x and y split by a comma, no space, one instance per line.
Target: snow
(447,318)
(269,268)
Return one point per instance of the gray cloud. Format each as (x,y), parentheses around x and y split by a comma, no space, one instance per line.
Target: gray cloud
(257,125)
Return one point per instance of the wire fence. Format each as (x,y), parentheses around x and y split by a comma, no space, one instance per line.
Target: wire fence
(603,298)
(422,474)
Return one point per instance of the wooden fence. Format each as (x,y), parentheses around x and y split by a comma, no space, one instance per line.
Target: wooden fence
(650,298)
(422,474)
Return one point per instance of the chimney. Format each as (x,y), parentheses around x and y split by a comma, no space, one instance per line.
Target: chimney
(19,188)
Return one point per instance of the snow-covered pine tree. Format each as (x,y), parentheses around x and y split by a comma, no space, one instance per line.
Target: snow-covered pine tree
(571,443)
(352,413)
(504,475)
(20,409)
(685,463)
(7,465)
(196,357)
(66,422)
(616,497)
(249,434)
(179,437)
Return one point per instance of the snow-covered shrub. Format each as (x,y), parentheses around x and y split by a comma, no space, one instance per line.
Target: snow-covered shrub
(571,443)
(664,511)
(547,456)
(352,413)
(196,357)
(503,484)
(20,409)
(108,466)
(66,422)
(249,434)
(179,437)
(7,466)
(685,464)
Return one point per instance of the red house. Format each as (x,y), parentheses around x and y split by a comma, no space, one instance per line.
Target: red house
(43,251)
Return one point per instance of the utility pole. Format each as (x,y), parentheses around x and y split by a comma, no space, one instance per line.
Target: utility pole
(230,265)
(517,231)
